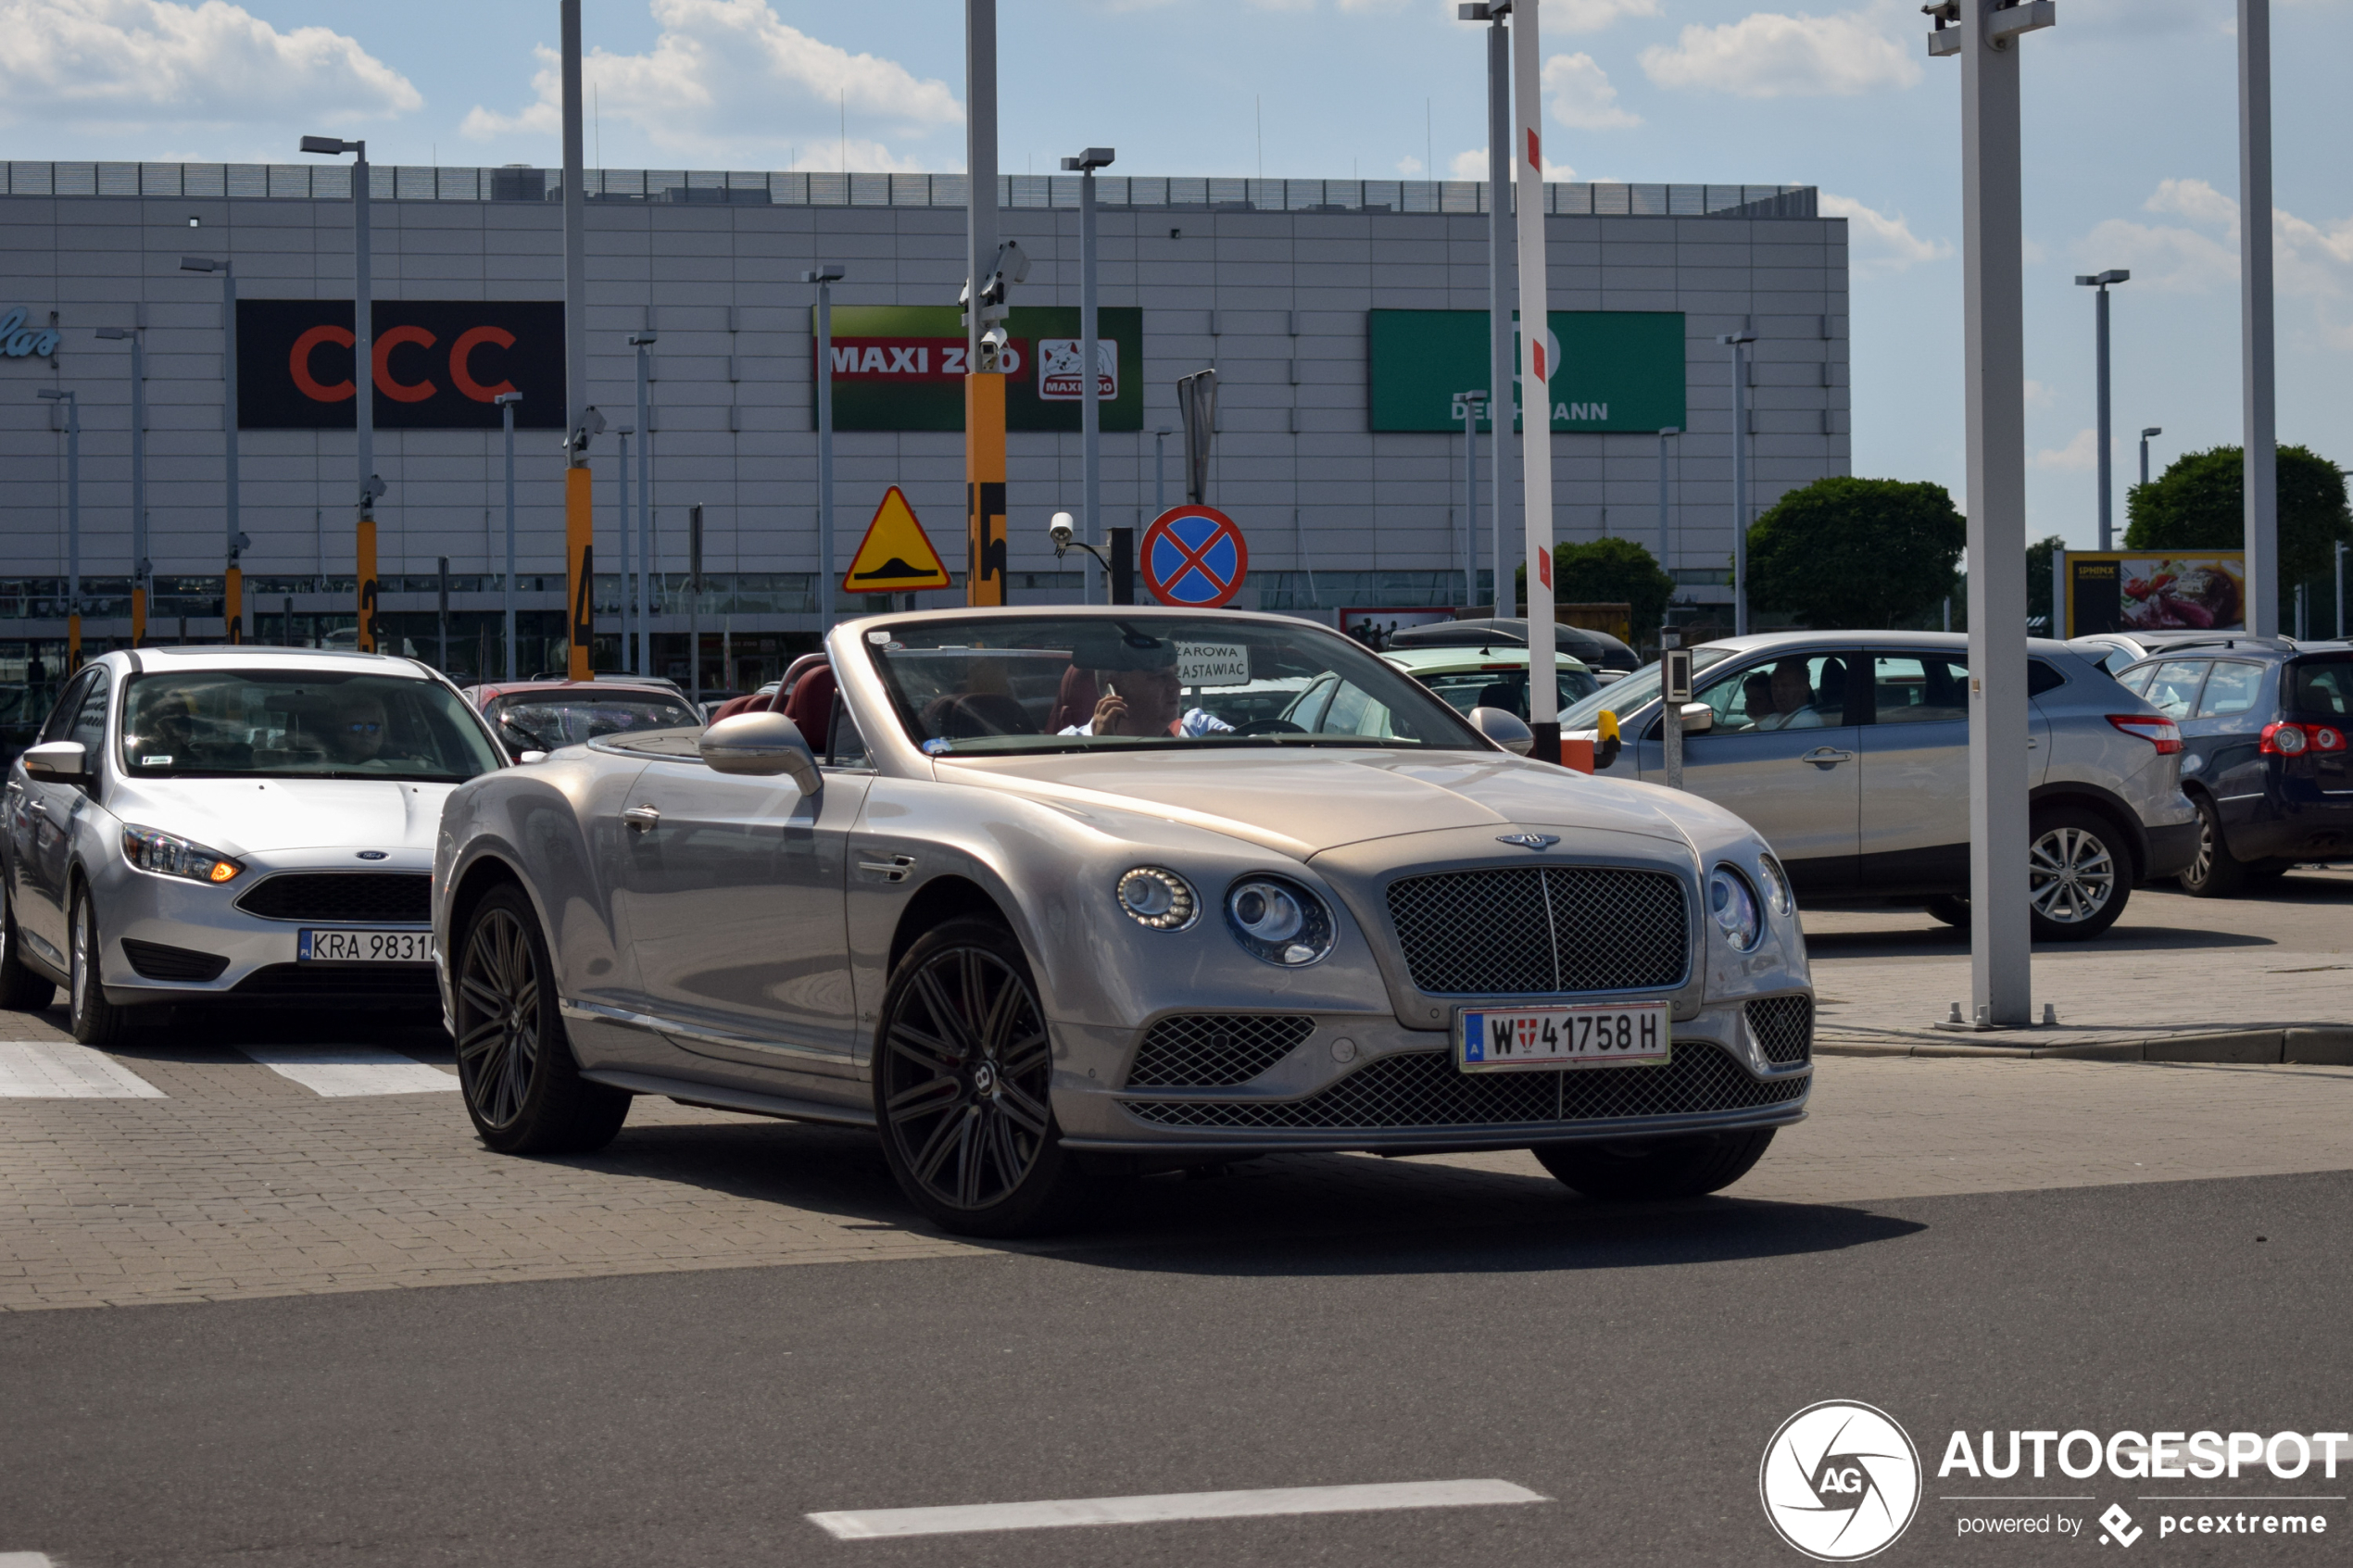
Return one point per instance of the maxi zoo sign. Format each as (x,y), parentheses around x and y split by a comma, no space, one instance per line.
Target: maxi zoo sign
(902,367)
(20,340)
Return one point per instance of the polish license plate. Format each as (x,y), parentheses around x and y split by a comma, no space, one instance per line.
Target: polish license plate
(364,947)
(1523,1039)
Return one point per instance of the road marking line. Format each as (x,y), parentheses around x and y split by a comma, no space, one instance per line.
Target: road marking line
(339,1071)
(24,1560)
(62,1070)
(873,1523)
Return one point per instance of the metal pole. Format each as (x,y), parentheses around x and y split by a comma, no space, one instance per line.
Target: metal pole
(694,603)
(984,477)
(1500,405)
(2340,590)
(828,591)
(507,402)
(580,539)
(628,583)
(1739,342)
(1472,404)
(139,484)
(2255,347)
(363,378)
(73,531)
(646,592)
(1536,373)
(1994,339)
(2107,479)
(2152,430)
(2058,627)
(1160,472)
(442,565)
(1090,418)
(1666,547)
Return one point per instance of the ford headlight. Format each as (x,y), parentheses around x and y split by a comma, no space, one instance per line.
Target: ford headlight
(1158,898)
(1280,921)
(1779,900)
(169,855)
(1733,907)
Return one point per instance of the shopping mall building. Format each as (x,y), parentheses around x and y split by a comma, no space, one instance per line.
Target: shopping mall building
(1344,319)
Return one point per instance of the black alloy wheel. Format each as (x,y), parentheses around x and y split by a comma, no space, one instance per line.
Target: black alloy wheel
(2216,873)
(963,1077)
(522,1088)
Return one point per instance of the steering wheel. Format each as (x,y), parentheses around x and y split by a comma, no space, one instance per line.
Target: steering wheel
(1269,727)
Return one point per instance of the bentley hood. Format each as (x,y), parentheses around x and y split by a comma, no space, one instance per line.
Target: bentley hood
(259,816)
(1301,803)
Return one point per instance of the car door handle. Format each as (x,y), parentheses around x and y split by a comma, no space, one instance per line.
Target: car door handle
(1827,756)
(642,819)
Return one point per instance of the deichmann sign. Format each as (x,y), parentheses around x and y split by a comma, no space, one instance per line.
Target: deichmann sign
(1613,370)
(440,364)
(902,367)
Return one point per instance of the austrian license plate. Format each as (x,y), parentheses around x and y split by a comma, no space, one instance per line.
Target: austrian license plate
(365,946)
(1526,1038)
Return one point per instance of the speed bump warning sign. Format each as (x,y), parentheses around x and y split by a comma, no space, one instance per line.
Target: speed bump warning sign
(896,556)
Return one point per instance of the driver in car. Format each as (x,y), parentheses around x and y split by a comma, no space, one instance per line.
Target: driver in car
(359,734)
(1148,701)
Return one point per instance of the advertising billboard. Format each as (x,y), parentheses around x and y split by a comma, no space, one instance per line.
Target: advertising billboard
(902,367)
(1618,370)
(2150,591)
(439,363)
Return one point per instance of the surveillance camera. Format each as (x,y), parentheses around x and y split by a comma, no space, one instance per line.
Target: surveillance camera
(1060,528)
(994,339)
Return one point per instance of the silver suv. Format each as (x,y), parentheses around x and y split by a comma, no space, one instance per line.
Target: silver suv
(1849,752)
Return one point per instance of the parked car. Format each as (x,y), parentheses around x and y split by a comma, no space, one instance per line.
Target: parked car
(1597,650)
(543,714)
(1031,958)
(242,824)
(2264,726)
(1849,752)
(2114,650)
(1491,677)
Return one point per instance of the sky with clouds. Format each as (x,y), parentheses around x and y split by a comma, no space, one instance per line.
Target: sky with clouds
(2129,127)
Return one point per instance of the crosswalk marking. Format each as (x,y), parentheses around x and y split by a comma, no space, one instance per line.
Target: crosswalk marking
(339,1071)
(871,1524)
(62,1070)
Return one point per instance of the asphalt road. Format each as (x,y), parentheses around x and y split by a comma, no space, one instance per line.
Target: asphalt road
(1631,1366)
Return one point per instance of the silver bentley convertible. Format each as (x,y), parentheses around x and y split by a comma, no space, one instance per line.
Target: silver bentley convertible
(1049,896)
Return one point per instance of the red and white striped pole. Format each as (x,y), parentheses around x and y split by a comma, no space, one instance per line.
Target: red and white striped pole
(1535,378)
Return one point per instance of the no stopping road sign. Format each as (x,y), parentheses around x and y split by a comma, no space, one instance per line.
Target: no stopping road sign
(1194,556)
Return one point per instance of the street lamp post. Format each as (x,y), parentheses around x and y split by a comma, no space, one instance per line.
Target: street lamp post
(73,520)
(2258,393)
(2102,281)
(1993,307)
(1498,263)
(1160,473)
(1739,342)
(1664,548)
(641,341)
(507,401)
(1090,421)
(138,478)
(1472,404)
(826,274)
(2152,430)
(363,378)
(628,583)
(232,581)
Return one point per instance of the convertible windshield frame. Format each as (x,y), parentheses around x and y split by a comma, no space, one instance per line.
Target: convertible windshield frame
(990,685)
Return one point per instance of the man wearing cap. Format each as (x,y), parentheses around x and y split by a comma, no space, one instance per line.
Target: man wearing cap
(1146,700)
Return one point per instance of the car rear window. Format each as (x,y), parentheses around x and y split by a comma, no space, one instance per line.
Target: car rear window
(2320,687)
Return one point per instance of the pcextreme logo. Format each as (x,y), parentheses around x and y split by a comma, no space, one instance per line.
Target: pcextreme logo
(1840,1481)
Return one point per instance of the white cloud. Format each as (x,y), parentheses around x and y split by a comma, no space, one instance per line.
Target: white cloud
(2309,260)
(725,76)
(1409,167)
(2163,258)
(1579,94)
(1593,16)
(1471,165)
(153,67)
(2039,396)
(1878,243)
(2078,456)
(2195,200)
(1768,55)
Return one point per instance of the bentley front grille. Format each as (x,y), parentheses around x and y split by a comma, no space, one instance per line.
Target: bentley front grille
(361,898)
(1529,930)
(1422,1089)
(1211,1050)
(1783,1027)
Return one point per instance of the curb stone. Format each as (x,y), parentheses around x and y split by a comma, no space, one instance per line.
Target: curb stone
(2296,1044)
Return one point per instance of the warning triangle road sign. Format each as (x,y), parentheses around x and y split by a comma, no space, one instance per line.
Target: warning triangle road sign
(896,556)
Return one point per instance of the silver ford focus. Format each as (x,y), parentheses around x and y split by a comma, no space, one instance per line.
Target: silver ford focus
(231,825)
(1049,896)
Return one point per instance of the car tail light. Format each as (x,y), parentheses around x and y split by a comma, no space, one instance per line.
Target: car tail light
(2287,739)
(2153,728)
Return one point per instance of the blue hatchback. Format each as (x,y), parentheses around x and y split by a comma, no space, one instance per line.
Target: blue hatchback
(2264,734)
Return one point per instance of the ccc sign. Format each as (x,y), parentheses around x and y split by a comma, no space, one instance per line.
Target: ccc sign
(437,364)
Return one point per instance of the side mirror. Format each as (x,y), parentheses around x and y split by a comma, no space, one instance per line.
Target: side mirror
(59,761)
(1608,677)
(762,745)
(527,758)
(1503,727)
(1698,717)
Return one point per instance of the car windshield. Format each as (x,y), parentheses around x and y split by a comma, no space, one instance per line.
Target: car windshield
(1502,687)
(1072,683)
(545,719)
(285,724)
(1629,696)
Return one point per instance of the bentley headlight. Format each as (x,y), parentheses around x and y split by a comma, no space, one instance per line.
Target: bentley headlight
(169,855)
(1733,907)
(1159,899)
(1280,921)
(1778,897)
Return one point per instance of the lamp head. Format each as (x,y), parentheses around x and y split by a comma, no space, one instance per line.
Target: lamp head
(825,273)
(1672,430)
(504,398)
(1735,338)
(2102,280)
(1090,160)
(1060,528)
(202,264)
(112,333)
(51,395)
(641,339)
(330,144)
(2152,430)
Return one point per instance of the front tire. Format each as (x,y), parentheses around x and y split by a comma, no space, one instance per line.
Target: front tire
(20,989)
(963,1072)
(2079,875)
(521,1086)
(2216,873)
(93,1019)
(1950,908)
(1656,1169)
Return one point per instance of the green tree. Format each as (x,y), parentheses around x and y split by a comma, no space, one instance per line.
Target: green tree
(2038,582)
(2198,503)
(1609,570)
(1846,552)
